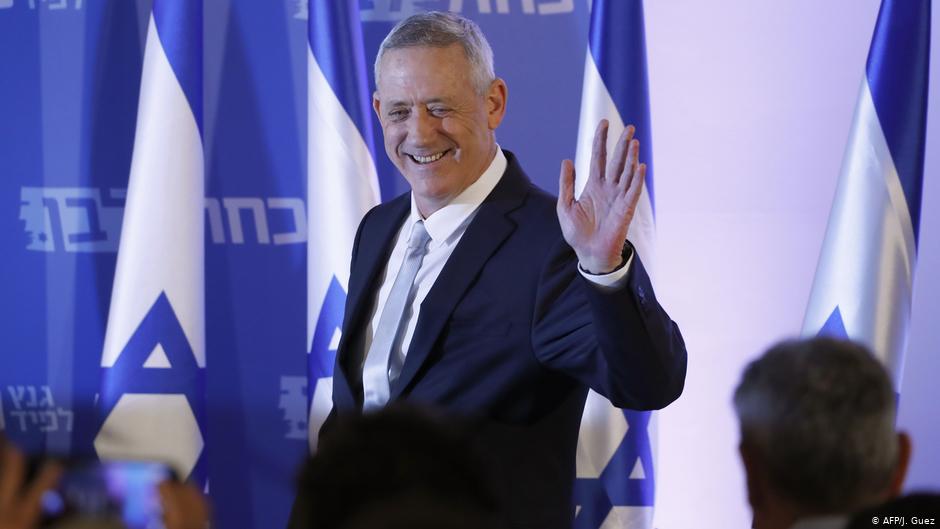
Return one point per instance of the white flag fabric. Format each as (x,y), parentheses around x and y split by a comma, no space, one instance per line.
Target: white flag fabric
(615,485)
(342,183)
(152,400)
(862,289)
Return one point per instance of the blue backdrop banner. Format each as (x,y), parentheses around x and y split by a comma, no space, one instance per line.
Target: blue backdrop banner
(70,87)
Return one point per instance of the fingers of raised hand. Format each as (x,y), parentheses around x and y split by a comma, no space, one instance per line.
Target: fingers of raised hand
(629,132)
(566,185)
(631,164)
(633,192)
(599,151)
(619,160)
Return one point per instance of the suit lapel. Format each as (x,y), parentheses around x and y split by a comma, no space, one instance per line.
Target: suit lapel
(489,228)
(377,240)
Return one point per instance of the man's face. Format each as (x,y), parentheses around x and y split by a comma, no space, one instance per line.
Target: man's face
(438,129)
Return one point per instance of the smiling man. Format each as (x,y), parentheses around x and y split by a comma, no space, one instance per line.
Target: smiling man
(438,120)
(482,296)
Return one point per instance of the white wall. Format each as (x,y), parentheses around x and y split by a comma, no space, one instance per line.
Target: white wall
(751,106)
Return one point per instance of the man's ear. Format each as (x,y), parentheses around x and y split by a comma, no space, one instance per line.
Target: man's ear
(900,471)
(377,104)
(496,96)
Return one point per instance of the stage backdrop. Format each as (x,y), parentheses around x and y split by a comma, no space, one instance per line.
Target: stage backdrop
(751,106)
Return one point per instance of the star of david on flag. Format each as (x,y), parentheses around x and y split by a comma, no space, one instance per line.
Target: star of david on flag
(615,485)
(862,289)
(152,400)
(342,184)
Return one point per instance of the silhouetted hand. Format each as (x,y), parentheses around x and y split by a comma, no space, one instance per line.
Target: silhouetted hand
(20,506)
(184,507)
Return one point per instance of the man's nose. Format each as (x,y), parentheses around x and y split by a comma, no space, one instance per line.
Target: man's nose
(422,128)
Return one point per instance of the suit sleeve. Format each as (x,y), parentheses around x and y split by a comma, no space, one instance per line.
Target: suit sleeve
(621,343)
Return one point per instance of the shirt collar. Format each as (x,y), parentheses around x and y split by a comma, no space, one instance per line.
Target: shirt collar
(443,223)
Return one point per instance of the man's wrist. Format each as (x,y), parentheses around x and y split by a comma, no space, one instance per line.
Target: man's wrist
(613,280)
(593,268)
(601,270)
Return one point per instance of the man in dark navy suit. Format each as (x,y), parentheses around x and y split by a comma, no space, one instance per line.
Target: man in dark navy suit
(485,297)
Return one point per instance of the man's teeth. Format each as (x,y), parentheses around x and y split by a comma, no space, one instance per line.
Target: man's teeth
(427,159)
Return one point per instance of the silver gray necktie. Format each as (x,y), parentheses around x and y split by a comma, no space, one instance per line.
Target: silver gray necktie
(383,361)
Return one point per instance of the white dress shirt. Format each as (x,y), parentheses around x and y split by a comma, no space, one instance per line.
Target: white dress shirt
(445,226)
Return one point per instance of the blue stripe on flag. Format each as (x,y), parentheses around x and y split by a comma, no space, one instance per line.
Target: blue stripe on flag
(834,326)
(179,26)
(614,487)
(160,326)
(322,358)
(335,34)
(897,71)
(618,45)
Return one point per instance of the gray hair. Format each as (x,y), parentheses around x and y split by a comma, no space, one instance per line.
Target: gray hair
(820,414)
(438,29)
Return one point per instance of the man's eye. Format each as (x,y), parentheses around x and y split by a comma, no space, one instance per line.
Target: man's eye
(398,115)
(439,111)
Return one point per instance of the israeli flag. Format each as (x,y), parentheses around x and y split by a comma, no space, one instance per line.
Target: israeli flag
(342,184)
(862,288)
(615,485)
(152,400)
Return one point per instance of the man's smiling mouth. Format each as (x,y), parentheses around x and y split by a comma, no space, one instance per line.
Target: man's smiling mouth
(431,158)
